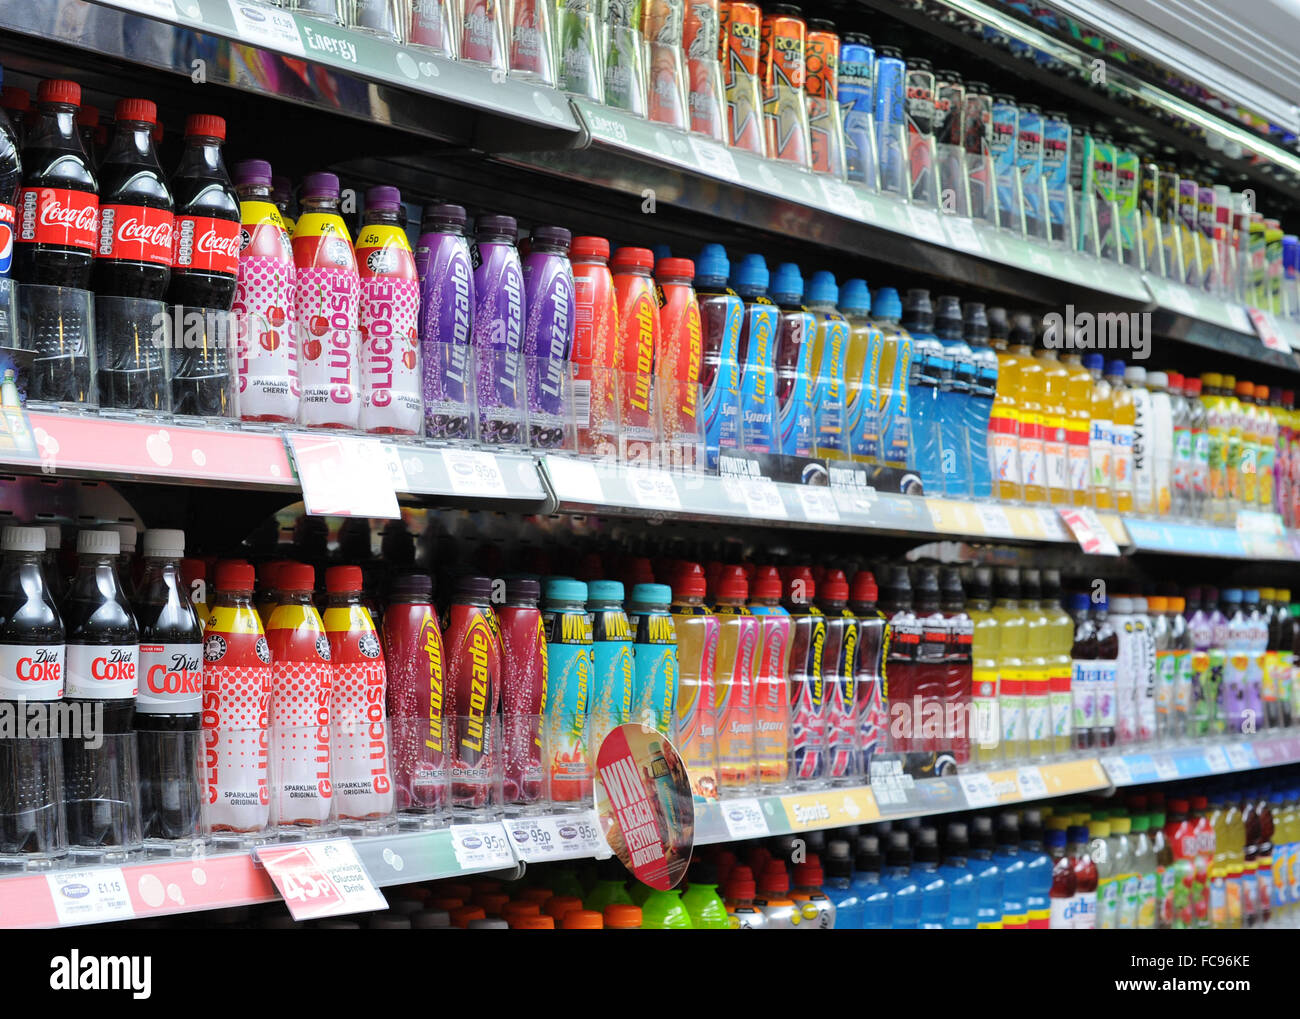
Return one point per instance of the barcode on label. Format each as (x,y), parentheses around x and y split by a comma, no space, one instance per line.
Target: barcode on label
(582,402)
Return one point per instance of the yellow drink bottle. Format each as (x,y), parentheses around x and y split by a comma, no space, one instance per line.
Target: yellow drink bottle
(1060,644)
(1056,382)
(1036,673)
(1078,424)
(1216,426)
(1232,445)
(986,746)
(1012,647)
(1004,420)
(862,367)
(1123,418)
(1101,439)
(1029,404)
(1248,458)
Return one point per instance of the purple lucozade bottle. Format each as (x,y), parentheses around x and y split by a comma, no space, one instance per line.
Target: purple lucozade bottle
(548,332)
(498,330)
(446,270)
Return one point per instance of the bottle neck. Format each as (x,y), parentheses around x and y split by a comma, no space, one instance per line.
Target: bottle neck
(55,127)
(322,204)
(295,597)
(342,599)
(254,192)
(389,216)
(202,154)
(132,143)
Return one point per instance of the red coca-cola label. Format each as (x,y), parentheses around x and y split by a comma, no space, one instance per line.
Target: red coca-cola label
(58,216)
(135,233)
(206,244)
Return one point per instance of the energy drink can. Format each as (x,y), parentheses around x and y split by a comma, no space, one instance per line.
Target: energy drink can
(1207,222)
(1127,166)
(858,106)
(783,52)
(920,115)
(1224,236)
(1056,172)
(741,73)
(1188,190)
(890,88)
(825,131)
(1002,144)
(977,128)
(704,95)
(1029,161)
(950,113)
(1104,188)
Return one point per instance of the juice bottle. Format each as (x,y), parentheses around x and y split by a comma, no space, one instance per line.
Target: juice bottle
(1105,675)
(1144,498)
(1031,414)
(1013,637)
(1083,667)
(1036,673)
(980,404)
(861,373)
(771,684)
(1181,835)
(1218,863)
(839,678)
(1199,507)
(1104,850)
(892,398)
(1056,386)
(1085,878)
(985,643)
(1247,491)
(1232,422)
(1183,456)
(1266,407)
(1264,857)
(1078,427)
(795,377)
(736,663)
(873,697)
(1060,641)
(1235,832)
(697,645)
(1127,880)
(807,689)
(1004,420)
(1101,438)
(1164,868)
(1123,422)
(1063,893)
(1216,430)
(830,347)
(760,323)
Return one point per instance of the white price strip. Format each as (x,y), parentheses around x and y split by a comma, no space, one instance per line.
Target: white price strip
(482,846)
(536,839)
(344,475)
(818,505)
(744,818)
(266,26)
(1238,757)
(574,480)
(321,879)
(1089,531)
(1117,769)
(994,521)
(653,489)
(1216,760)
(1239,319)
(392,459)
(164,9)
(473,472)
(89,896)
(1269,332)
(1178,299)
(714,159)
(961,234)
(762,498)
(1166,769)
(841,199)
(979,790)
(1032,786)
(926,225)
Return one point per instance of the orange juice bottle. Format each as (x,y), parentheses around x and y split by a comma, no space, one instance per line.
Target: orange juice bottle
(1123,421)
(1269,432)
(1231,410)
(1100,435)
(1029,400)
(1248,460)
(1078,423)
(1056,381)
(736,663)
(1004,422)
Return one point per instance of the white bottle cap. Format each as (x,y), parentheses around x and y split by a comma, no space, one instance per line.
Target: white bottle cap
(1135,373)
(164,541)
(23,539)
(1158,380)
(126,536)
(53,536)
(98,543)
(1121,606)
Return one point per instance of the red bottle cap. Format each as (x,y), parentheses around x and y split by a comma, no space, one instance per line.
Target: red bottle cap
(136,109)
(732,583)
(589,247)
(59,90)
(192,570)
(799,585)
(1200,802)
(622,916)
(758,857)
(583,920)
(234,575)
(630,259)
(14,98)
(205,125)
(1178,806)
(343,578)
(688,582)
(834,587)
(88,116)
(808,875)
(767,584)
(676,268)
(775,880)
(864,587)
(740,883)
(637,570)
(295,577)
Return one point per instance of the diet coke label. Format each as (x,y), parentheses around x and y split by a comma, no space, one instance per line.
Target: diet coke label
(31,672)
(103,671)
(207,244)
(58,216)
(135,233)
(171,680)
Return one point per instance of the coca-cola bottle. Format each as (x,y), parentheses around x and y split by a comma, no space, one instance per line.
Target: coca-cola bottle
(88,128)
(134,255)
(58,205)
(168,706)
(205,254)
(31,680)
(100,766)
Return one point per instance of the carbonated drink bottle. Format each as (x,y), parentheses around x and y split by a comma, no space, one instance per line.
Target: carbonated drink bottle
(205,252)
(413,655)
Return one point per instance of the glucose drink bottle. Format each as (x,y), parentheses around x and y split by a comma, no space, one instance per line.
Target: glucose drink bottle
(739,633)
(32,822)
(697,630)
(168,706)
(101,783)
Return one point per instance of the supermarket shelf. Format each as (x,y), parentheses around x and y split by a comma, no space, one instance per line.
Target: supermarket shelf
(1198,761)
(1267,543)
(1200,319)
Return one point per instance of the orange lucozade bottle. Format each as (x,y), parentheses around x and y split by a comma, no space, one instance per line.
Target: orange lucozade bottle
(637,347)
(595,338)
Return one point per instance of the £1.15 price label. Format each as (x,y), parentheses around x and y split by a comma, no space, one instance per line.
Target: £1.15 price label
(90,896)
(321,879)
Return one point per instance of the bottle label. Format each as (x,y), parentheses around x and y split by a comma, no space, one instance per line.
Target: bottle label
(1061,705)
(206,244)
(1080,467)
(31,672)
(1147,892)
(58,216)
(1062,915)
(1083,690)
(1122,455)
(172,679)
(1006,456)
(135,233)
(1085,911)
(103,671)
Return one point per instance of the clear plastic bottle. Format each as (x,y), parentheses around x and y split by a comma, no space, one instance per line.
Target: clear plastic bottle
(1123,428)
(1060,638)
(1161,442)
(1145,866)
(1037,673)
(987,739)
(1102,850)
(1083,674)
(1106,676)
(1101,437)
(1199,507)
(1184,456)
(1180,649)
(1012,652)
(1144,488)
(1165,672)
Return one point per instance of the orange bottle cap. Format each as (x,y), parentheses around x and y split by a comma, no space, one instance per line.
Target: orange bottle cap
(583,920)
(538,895)
(621,916)
(534,923)
(558,905)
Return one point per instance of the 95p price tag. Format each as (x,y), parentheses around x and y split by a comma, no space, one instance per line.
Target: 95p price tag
(818,505)
(653,489)
(554,838)
(482,846)
(978,790)
(473,472)
(1117,769)
(744,818)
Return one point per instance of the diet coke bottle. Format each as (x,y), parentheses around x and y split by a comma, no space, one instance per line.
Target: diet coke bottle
(134,254)
(205,252)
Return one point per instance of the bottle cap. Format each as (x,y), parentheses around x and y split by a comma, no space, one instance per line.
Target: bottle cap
(255,172)
(809,874)
(295,577)
(732,583)
(383,199)
(633,259)
(139,110)
(565,589)
(446,214)
(766,585)
(551,237)
(887,303)
(59,90)
(205,125)
(637,570)
(23,539)
(1157,604)
(834,588)
(125,535)
(689,581)
(233,575)
(787,284)
(412,586)
(462,915)
(98,543)
(752,274)
(519,908)
(624,916)
(488,228)
(823,289)
(1245,388)
(164,542)
(53,536)
(774,880)
(339,579)
(14,98)
(560,905)
(589,247)
(1116,367)
(675,269)
(864,587)
(605,591)
(800,588)
(855,298)
(1261,393)
(1157,380)
(652,594)
(583,920)
(319,185)
(534,923)
(474,587)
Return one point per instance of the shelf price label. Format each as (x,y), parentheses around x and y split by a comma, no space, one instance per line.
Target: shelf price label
(164,9)
(474,472)
(1089,531)
(818,505)
(653,489)
(760,496)
(978,790)
(574,480)
(714,160)
(482,846)
(744,818)
(90,896)
(1166,769)
(1117,769)
(1216,760)
(1031,782)
(344,475)
(1268,330)
(1239,757)
(841,199)
(994,521)
(321,879)
(961,234)
(536,839)
(266,26)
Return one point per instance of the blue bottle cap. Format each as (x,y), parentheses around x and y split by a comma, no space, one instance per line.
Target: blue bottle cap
(1101,605)
(711,266)
(822,289)
(563,589)
(1250,597)
(1078,603)
(604,591)
(662,251)
(1091,361)
(887,303)
(1115,367)
(855,298)
(751,275)
(787,284)
(1231,594)
(1056,839)
(652,594)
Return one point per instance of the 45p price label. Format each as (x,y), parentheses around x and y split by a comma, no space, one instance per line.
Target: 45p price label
(321,879)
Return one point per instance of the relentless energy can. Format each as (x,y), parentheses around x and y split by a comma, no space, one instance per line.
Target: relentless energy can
(890,87)
(1056,172)
(919,112)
